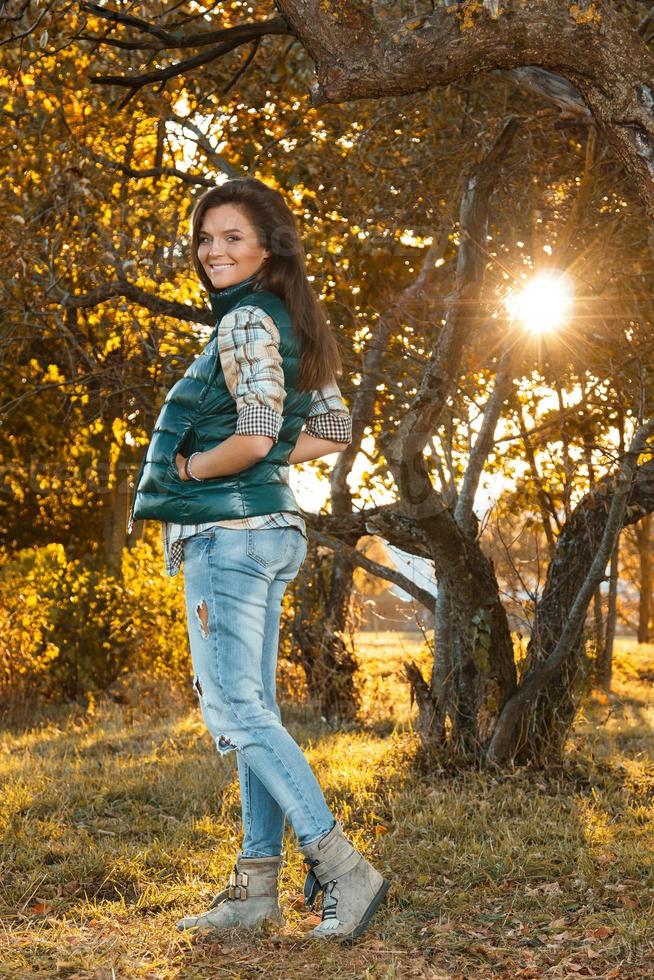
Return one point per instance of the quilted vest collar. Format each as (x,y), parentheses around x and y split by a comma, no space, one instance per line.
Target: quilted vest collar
(223,300)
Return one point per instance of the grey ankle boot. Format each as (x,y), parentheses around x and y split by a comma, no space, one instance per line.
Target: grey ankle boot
(250,899)
(352,889)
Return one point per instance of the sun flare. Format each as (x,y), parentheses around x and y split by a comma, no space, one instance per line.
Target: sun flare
(544,303)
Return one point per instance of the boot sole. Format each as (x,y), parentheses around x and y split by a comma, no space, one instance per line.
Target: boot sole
(368,914)
(260,926)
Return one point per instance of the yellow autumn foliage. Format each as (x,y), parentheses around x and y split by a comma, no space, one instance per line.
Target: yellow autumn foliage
(68,626)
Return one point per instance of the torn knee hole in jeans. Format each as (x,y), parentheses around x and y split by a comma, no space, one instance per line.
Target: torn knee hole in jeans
(224,744)
(202,614)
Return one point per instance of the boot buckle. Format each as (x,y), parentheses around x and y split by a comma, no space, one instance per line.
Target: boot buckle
(237,888)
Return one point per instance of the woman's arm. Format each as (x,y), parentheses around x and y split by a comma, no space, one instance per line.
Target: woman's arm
(237,453)
(248,345)
(310,447)
(234,454)
(328,419)
(248,348)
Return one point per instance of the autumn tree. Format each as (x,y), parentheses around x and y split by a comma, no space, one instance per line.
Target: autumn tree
(548,107)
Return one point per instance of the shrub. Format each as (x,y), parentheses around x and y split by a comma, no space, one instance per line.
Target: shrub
(68,626)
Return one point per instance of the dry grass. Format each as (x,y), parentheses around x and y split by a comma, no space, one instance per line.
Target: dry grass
(112,830)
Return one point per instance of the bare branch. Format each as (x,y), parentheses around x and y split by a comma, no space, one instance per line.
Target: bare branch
(28,30)
(244,67)
(229,38)
(552,88)
(241,34)
(110,290)
(182,175)
(205,144)
(403,447)
(463,512)
(381,571)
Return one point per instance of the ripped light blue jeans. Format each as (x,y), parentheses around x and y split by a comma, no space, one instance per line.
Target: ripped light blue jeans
(234,580)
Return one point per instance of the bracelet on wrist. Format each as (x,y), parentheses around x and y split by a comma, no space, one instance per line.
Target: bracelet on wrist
(187,468)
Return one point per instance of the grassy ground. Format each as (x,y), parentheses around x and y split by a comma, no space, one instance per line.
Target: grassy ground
(112,830)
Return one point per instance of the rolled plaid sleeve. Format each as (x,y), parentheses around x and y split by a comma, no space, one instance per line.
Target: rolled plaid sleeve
(328,417)
(248,345)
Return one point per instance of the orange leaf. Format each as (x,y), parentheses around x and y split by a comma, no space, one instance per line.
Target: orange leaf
(602,932)
(41,908)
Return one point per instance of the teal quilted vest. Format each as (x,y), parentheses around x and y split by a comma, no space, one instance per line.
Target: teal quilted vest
(199,412)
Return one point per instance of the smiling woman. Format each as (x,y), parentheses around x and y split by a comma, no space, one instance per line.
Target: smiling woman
(216,474)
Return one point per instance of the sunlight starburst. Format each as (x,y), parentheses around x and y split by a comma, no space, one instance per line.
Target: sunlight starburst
(544,303)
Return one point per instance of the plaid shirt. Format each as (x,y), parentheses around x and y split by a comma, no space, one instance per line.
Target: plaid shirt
(248,345)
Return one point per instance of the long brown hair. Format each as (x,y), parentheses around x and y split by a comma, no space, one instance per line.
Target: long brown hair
(283,273)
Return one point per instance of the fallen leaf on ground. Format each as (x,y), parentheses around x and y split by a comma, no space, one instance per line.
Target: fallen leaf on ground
(41,908)
(602,932)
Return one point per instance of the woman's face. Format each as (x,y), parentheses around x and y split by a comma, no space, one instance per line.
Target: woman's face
(228,248)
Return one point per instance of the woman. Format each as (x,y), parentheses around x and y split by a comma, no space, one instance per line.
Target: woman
(216,474)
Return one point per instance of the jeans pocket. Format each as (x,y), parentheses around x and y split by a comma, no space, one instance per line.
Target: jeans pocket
(196,545)
(265,545)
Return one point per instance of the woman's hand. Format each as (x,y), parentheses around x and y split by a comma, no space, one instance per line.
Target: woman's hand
(180,462)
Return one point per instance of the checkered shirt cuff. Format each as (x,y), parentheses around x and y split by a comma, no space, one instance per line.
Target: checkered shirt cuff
(258,420)
(337,427)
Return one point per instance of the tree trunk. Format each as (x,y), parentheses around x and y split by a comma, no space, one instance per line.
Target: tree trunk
(338,661)
(478,646)
(644,540)
(339,696)
(441,675)
(533,724)
(604,665)
(338,603)
(598,621)
(329,664)
(116,502)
